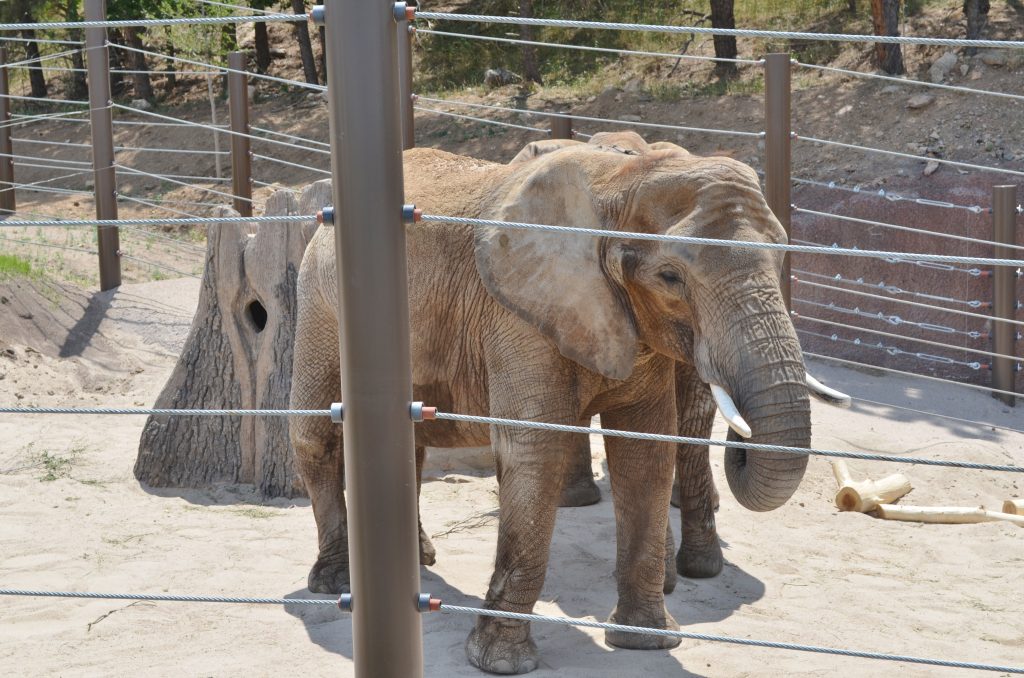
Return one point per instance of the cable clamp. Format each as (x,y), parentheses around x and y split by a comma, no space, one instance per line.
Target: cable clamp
(410,214)
(337,413)
(345,602)
(404,12)
(325,216)
(418,412)
(316,15)
(424,603)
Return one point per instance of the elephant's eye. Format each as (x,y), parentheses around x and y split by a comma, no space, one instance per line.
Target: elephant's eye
(670,277)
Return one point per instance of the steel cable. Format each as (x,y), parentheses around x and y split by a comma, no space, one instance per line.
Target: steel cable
(717,242)
(584,118)
(739,33)
(897,227)
(691,635)
(144,23)
(688,440)
(177,412)
(159,222)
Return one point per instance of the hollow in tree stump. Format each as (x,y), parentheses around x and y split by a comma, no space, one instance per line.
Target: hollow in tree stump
(238,355)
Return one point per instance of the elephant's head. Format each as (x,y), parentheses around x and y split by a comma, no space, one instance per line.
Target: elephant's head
(601,300)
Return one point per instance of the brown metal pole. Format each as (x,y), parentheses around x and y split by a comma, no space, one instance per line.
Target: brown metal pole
(778,149)
(7,204)
(404,36)
(380,466)
(98,66)
(1004,286)
(241,159)
(561,127)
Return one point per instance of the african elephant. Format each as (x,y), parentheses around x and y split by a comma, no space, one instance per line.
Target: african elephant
(524,324)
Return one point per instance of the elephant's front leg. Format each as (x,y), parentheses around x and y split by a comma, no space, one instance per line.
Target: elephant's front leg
(641,477)
(531,469)
(428,555)
(700,554)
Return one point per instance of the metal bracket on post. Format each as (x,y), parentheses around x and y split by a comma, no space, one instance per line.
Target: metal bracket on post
(418,412)
(345,602)
(425,603)
(325,216)
(1004,284)
(102,129)
(778,149)
(337,412)
(7,198)
(411,214)
(404,11)
(316,15)
(241,158)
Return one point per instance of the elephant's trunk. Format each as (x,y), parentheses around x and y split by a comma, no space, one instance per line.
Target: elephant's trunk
(765,376)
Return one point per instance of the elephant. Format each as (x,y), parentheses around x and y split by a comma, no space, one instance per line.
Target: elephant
(530,325)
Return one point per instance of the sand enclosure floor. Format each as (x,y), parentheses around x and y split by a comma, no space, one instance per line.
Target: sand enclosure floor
(74,518)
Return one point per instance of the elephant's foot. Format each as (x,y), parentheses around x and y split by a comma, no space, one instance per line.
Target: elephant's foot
(652,619)
(329,575)
(700,562)
(581,491)
(428,556)
(502,646)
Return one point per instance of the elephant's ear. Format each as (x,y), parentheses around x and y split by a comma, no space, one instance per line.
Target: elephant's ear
(536,149)
(556,282)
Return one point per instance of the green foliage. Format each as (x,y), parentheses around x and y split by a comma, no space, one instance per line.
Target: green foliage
(450,63)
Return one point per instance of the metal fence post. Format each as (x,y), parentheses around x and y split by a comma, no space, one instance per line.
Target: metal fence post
(7,202)
(241,159)
(561,127)
(778,149)
(102,129)
(1004,288)
(405,32)
(380,467)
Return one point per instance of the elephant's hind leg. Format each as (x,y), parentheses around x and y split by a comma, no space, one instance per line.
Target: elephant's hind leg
(428,556)
(700,554)
(317,443)
(579,488)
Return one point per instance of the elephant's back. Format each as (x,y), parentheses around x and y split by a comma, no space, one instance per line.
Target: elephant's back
(444,183)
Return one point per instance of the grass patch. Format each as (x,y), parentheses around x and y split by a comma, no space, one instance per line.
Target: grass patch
(255,513)
(54,467)
(13,266)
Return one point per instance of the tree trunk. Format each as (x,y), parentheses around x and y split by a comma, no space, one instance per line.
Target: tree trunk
(977,17)
(851,6)
(725,45)
(323,55)
(238,355)
(531,70)
(171,77)
(140,76)
(885,16)
(114,57)
(78,87)
(262,47)
(35,71)
(305,47)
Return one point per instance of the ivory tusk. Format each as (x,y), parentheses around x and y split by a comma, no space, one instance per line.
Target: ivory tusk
(829,395)
(728,409)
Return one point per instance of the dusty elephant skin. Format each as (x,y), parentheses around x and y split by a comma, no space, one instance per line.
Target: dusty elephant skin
(528,325)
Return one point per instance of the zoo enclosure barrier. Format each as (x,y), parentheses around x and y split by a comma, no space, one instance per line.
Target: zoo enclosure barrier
(368,185)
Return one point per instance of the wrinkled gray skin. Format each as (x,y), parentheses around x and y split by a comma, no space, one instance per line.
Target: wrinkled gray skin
(529,325)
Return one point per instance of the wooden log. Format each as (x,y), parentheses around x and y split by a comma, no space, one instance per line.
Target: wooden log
(1014,507)
(945,514)
(238,355)
(866,495)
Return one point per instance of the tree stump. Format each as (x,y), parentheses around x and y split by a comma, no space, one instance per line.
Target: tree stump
(238,355)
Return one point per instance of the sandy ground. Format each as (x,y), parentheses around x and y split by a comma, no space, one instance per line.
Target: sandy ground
(74,518)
